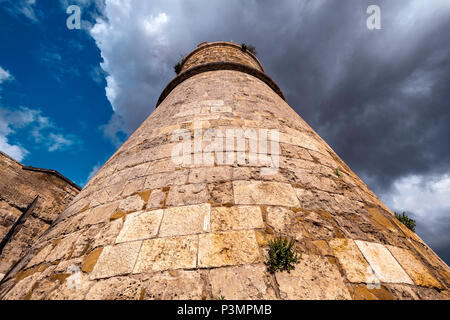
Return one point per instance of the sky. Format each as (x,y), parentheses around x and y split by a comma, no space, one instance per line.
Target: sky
(380,98)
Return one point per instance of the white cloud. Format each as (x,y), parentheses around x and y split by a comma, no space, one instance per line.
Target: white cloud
(426,199)
(4,75)
(39,128)
(21,8)
(14,151)
(93,172)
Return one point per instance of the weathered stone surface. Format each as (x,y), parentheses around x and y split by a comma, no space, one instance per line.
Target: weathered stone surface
(121,288)
(100,214)
(236,218)
(68,291)
(167,254)
(177,285)
(180,221)
(116,260)
(133,186)
(261,192)
(249,282)
(213,174)
(285,221)
(356,268)
(414,268)
(228,248)
(384,265)
(140,226)
(313,278)
(130,204)
(156,199)
(19,186)
(186,195)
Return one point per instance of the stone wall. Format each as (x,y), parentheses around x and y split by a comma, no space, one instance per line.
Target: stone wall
(149,227)
(19,185)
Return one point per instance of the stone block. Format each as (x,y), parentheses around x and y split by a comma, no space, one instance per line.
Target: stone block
(140,226)
(187,195)
(210,174)
(236,218)
(228,248)
(180,221)
(116,260)
(262,192)
(248,282)
(384,265)
(414,268)
(130,204)
(100,214)
(121,288)
(156,199)
(177,285)
(314,278)
(167,254)
(352,261)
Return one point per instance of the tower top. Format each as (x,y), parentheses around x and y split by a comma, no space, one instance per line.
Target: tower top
(207,52)
(213,56)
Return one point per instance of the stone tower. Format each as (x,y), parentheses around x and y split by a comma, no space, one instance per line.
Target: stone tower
(187,205)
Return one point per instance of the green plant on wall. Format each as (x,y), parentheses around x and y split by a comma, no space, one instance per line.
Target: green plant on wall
(282,256)
(177,68)
(337,173)
(249,48)
(407,221)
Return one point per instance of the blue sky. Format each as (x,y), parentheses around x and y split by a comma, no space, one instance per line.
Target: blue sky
(69,98)
(54,97)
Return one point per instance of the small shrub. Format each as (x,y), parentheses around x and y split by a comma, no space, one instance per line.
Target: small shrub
(246,47)
(221,298)
(177,68)
(281,257)
(407,221)
(337,173)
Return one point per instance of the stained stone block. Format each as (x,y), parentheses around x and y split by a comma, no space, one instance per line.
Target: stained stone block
(356,267)
(236,218)
(211,174)
(122,288)
(384,265)
(133,186)
(167,254)
(156,199)
(414,268)
(116,260)
(186,195)
(313,278)
(180,221)
(100,214)
(249,282)
(228,248)
(161,180)
(177,285)
(262,192)
(130,204)
(140,226)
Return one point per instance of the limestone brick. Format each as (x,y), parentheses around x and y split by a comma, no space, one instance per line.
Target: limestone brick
(179,221)
(228,248)
(167,254)
(140,226)
(382,262)
(259,192)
